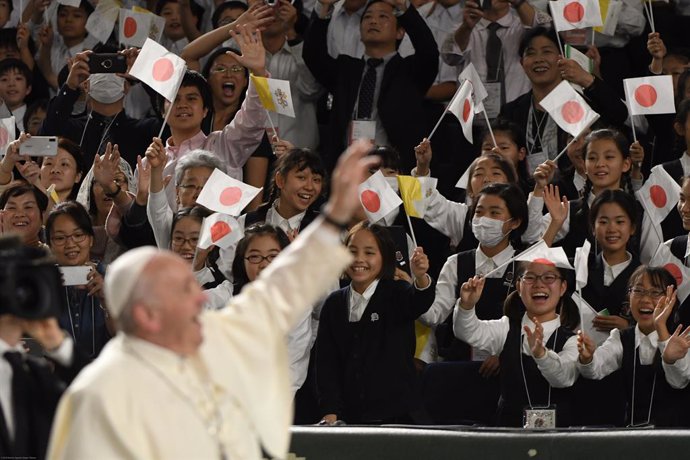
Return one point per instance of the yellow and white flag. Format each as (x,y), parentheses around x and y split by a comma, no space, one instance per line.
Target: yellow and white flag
(274,95)
(7,133)
(415,192)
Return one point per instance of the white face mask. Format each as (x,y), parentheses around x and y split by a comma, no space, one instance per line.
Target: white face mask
(488,231)
(106,88)
(393,182)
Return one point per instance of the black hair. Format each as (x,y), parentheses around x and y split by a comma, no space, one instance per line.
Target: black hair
(84,5)
(35,106)
(619,197)
(11,7)
(21,187)
(193,78)
(206,72)
(8,65)
(298,159)
(397,23)
(515,202)
(681,85)
(514,308)
(384,240)
(8,37)
(531,34)
(198,213)
(239,272)
(506,166)
(74,211)
(682,112)
(660,278)
(231,5)
(517,135)
(197,11)
(76,153)
(390,158)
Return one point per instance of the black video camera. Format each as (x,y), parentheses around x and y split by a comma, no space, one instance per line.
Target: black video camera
(30,282)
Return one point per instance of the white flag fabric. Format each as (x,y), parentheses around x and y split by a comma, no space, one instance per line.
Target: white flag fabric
(479,93)
(462,107)
(101,22)
(134,27)
(275,95)
(650,95)
(157,26)
(73,3)
(220,230)
(226,195)
(665,258)
(568,109)
(610,12)
(587,314)
(159,68)
(377,197)
(7,133)
(540,253)
(575,14)
(659,195)
(581,266)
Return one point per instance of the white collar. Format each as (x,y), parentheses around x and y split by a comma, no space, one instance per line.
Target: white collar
(652,337)
(366,295)
(5,347)
(499,259)
(273,217)
(617,268)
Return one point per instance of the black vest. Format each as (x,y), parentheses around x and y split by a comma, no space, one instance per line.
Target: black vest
(513,395)
(678,246)
(613,297)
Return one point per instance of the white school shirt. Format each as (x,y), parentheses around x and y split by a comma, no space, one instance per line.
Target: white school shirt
(447,284)
(558,369)
(448,217)
(608,358)
(357,302)
(611,272)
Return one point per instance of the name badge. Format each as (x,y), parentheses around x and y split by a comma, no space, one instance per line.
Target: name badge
(540,418)
(492,103)
(362,129)
(535,159)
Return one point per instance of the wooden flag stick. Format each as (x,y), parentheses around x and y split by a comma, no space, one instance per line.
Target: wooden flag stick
(440,119)
(488,124)
(414,240)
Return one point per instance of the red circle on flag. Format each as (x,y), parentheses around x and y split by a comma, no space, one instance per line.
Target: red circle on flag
(230,196)
(466,109)
(645,95)
(4,136)
(573,12)
(370,200)
(219,230)
(675,272)
(572,111)
(163,69)
(130,27)
(543,261)
(658,196)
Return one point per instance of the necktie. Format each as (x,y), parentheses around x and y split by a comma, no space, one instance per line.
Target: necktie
(366,89)
(20,400)
(493,53)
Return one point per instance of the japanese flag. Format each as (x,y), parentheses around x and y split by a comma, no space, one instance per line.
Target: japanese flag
(275,95)
(160,69)
(575,14)
(377,197)
(479,93)
(220,230)
(540,253)
(650,95)
(134,27)
(568,109)
(659,194)
(581,266)
(7,133)
(462,106)
(664,258)
(224,194)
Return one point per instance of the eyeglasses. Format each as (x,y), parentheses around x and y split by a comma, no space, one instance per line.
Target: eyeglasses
(60,240)
(187,188)
(181,240)
(546,278)
(228,70)
(652,293)
(257,259)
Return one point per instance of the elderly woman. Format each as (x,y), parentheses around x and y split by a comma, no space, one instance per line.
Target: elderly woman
(22,206)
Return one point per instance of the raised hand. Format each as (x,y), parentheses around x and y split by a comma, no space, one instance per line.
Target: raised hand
(288,15)
(143,181)
(677,346)
(79,70)
(636,156)
(585,347)
(106,167)
(23,35)
(155,155)
(573,72)
(280,146)
(593,54)
(471,291)
(258,16)
(423,154)
(662,312)
(543,175)
(535,339)
(471,14)
(253,52)
(558,206)
(95,283)
(656,46)
(419,265)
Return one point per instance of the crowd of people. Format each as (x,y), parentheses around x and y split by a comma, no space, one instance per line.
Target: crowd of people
(432,313)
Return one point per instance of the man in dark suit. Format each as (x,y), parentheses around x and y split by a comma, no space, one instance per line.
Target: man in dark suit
(380,95)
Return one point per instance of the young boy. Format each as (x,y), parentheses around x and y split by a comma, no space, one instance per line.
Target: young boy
(15,86)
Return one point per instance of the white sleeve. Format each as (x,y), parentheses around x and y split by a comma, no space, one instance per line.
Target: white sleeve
(446,294)
(488,335)
(538,222)
(160,217)
(448,217)
(607,358)
(559,369)
(678,373)
(219,296)
(299,346)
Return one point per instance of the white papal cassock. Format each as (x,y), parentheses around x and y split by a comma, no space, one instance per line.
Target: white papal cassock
(138,400)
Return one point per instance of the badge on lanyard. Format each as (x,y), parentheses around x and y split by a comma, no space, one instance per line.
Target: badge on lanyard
(492,103)
(362,129)
(535,159)
(540,418)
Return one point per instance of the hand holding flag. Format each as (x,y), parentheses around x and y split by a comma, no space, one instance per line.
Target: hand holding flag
(220,230)
(226,195)
(377,197)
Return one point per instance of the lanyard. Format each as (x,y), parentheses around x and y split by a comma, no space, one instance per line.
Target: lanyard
(524,378)
(651,398)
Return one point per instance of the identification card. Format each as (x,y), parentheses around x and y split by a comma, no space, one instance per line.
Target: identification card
(492,103)
(479,354)
(540,418)
(535,159)
(362,129)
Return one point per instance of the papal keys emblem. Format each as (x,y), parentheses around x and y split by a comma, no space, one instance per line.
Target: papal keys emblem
(281,97)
